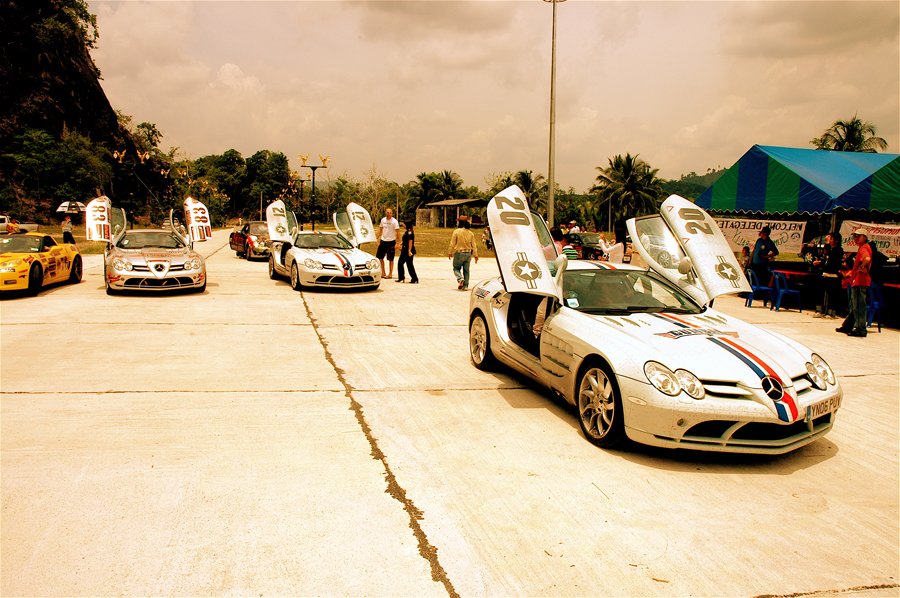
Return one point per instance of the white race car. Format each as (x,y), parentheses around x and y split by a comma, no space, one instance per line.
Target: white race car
(322,259)
(641,353)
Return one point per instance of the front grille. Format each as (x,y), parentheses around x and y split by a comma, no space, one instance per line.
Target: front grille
(159,283)
(344,281)
(755,434)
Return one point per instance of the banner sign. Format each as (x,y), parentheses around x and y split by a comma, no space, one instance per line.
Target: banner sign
(742,232)
(886,236)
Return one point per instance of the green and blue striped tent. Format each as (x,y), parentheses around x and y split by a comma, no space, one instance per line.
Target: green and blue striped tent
(770,179)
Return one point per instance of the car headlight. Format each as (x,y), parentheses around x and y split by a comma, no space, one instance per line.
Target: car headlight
(312,264)
(120,264)
(10,266)
(819,372)
(194,263)
(662,378)
(672,383)
(690,384)
(372,264)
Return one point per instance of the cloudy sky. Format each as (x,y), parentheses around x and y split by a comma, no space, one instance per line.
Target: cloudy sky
(398,88)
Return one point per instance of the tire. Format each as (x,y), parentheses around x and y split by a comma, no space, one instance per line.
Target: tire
(77,271)
(480,344)
(665,259)
(35,279)
(201,288)
(248,255)
(110,290)
(272,273)
(295,278)
(599,405)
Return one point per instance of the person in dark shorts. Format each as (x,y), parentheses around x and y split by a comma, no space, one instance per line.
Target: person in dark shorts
(387,241)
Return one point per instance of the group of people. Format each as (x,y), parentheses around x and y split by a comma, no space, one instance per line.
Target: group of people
(851,276)
(388,245)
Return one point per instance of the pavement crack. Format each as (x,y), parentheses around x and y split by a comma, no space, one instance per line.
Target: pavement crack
(854,589)
(427,550)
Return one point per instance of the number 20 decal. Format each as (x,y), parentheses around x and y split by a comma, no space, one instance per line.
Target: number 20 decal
(693,215)
(515,217)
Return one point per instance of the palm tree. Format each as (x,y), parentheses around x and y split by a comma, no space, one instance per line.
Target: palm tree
(630,185)
(449,186)
(852,135)
(533,186)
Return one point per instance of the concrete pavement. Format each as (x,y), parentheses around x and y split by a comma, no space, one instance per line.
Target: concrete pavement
(255,440)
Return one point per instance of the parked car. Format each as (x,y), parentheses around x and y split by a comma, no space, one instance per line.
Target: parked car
(587,245)
(640,353)
(250,240)
(11,225)
(31,261)
(150,259)
(323,259)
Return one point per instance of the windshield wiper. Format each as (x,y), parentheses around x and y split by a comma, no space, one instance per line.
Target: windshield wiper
(645,308)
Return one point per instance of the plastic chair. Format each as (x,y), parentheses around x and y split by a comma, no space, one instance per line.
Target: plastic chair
(782,290)
(873,307)
(756,287)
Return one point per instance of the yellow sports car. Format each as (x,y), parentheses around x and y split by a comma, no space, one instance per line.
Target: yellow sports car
(30,261)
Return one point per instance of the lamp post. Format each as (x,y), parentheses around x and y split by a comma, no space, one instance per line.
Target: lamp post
(312,192)
(552,151)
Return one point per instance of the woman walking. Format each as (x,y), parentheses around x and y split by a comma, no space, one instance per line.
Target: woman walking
(407,251)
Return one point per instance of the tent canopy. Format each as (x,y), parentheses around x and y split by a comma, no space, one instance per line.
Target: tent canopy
(793,180)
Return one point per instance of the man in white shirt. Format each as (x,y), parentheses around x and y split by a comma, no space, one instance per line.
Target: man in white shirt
(574,228)
(387,241)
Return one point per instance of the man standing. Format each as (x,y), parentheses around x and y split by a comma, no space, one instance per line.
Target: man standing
(764,251)
(462,250)
(387,241)
(858,275)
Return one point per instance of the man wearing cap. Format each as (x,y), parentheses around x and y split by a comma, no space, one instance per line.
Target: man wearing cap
(574,228)
(855,323)
(764,251)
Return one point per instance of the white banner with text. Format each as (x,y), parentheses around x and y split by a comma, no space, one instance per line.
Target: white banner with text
(886,236)
(743,232)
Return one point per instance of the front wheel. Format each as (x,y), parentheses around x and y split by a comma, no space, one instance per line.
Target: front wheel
(77,270)
(599,406)
(272,273)
(295,278)
(35,279)
(480,344)
(248,253)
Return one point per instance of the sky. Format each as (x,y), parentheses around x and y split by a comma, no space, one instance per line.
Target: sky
(395,88)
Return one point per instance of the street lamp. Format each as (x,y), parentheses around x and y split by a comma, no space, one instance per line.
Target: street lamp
(552,152)
(312,193)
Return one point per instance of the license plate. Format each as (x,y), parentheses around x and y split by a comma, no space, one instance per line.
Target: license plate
(822,407)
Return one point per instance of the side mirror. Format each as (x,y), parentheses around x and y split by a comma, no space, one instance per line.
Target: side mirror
(685,265)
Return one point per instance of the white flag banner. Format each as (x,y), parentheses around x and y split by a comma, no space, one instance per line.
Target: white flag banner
(886,236)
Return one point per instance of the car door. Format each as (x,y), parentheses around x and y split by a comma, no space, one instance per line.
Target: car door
(531,272)
(699,260)
(102,222)
(355,224)
(196,220)
(283,226)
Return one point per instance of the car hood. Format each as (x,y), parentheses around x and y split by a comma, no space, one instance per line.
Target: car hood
(712,346)
(154,253)
(337,257)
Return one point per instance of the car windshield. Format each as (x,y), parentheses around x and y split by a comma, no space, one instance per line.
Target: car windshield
(318,240)
(590,238)
(20,244)
(623,292)
(142,239)
(258,228)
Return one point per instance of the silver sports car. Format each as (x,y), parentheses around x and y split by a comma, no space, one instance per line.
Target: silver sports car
(317,259)
(641,353)
(149,259)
